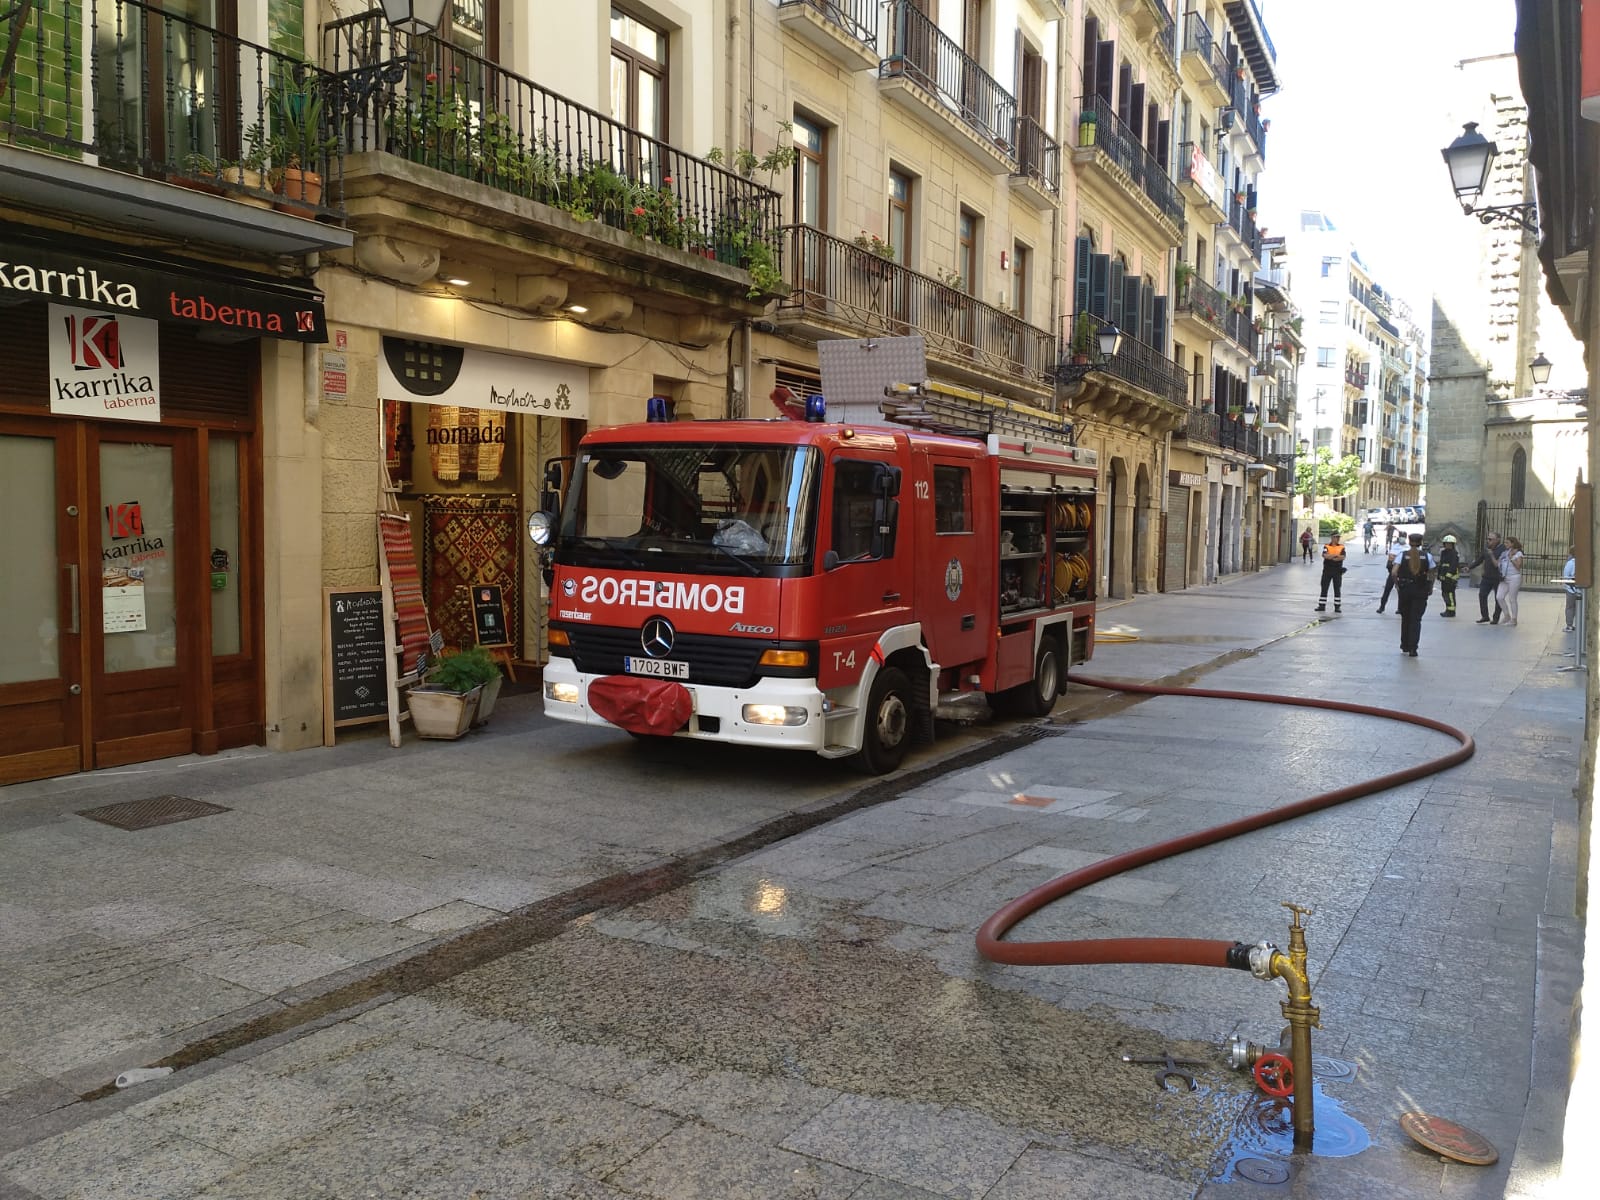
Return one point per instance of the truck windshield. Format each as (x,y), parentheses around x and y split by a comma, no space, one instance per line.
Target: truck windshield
(712,508)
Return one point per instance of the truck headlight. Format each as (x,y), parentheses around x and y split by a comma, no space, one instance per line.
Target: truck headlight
(774,714)
(561,693)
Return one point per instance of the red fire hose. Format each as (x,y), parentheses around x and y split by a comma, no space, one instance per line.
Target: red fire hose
(1196,952)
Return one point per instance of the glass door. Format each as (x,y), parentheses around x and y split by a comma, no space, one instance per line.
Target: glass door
(142,599)
(41,671)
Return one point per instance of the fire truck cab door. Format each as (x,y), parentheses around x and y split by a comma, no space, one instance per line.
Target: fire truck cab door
(868,584)
(951,503)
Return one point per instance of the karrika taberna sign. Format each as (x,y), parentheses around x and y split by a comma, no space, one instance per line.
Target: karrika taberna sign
(171,291)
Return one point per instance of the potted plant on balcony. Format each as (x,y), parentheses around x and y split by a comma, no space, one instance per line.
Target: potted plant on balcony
(1084,330)
(1088,119)
(246,177)
(299,139)
(1181,275)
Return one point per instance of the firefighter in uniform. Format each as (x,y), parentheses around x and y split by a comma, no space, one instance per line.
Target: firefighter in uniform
(1332,572)
(1449,574)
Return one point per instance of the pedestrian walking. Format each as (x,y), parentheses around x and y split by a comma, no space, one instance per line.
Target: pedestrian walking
(1449,573)
(1332,572)
(1305,544)
(1388,575)
(1489,581)
(1569,570)
(1510,579)
(1368,532)
(1413,575)
(1391,535)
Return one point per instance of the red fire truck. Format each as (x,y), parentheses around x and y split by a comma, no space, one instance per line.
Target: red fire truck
(821,586)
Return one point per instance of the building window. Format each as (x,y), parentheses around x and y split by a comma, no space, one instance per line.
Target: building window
(899,225)
(810,173)
(1327,356)
(1328,264)
(1519,478)
(967,232)
(1021,265)
(1330,312)
(638,74)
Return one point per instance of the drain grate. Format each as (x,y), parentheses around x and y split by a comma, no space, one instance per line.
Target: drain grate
(151,812)
(1335,1070)
(1261,1170)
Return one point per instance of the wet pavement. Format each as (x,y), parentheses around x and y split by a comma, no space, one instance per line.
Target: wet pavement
(546,962)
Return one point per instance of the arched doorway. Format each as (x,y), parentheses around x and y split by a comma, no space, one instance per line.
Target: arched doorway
(1118,540)
(1143,563)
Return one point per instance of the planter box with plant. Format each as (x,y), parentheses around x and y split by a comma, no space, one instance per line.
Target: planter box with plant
(457,692)
(299,141)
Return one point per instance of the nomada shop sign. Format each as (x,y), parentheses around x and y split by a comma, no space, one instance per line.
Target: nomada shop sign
(464,377)
(178,295)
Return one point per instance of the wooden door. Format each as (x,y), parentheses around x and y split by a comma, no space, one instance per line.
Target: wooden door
(41,594)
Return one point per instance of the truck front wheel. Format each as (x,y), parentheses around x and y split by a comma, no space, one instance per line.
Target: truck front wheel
(887,732)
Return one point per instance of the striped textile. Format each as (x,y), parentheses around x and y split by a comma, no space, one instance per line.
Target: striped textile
(405,585)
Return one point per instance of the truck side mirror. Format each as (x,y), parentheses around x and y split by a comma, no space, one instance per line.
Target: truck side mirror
(550,497)
(830,560)
(889,481)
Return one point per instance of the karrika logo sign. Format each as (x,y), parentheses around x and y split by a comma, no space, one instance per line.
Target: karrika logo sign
(94,342)
(105,365)
(124,520)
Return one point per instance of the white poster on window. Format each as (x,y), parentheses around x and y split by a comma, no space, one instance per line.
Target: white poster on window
(121,599)
(104,365)
(439,373)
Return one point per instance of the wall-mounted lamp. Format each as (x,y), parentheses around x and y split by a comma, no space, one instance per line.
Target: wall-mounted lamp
(1539,368)
(579,309)
(1470,158)
(1096,351)
(352,89)
(454,280)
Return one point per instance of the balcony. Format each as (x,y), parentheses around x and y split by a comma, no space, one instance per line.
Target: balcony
(939,84)
(1386,465)
(837,288)
(1203,63)
(459,152)
(1198,181)
(171,128)
(1241,225)
(1356,377)
(1250,31)
(844,31)
(1145,17)
(1115,158)
(1237,326)
(1037,179)
(1160,385)
(1200,310)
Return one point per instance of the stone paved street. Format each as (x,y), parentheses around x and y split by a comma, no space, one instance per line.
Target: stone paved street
(546,962)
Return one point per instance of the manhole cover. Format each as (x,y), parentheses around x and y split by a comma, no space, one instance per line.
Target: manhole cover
(1335,1069)
(1444,1136)
(150,812)
(1261,1170)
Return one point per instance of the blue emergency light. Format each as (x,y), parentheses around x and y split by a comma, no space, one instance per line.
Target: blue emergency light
(816,408)
(655,409)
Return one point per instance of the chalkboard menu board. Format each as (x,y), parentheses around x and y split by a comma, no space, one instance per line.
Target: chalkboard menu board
(489,614)
(357,687)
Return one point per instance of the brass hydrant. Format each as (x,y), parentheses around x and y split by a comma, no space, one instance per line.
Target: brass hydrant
(1268,962)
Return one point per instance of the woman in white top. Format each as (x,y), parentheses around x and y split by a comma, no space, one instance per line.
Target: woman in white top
(1510,578)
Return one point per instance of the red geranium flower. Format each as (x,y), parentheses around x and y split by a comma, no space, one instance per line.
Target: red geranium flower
(638,210)
(431,77)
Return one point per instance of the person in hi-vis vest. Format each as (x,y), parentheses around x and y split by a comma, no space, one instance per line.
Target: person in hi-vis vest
(1332,572)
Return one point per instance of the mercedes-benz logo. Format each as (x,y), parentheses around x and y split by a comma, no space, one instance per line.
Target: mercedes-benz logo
(656,637)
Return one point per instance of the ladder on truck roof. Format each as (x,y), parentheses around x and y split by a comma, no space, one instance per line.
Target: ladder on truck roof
(940,408)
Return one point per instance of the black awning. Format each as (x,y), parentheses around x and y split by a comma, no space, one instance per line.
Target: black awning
(91,274)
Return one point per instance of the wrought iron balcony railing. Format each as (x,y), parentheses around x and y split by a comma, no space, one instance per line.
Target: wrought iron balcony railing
(1204,301)
(1038,155)
(154,93)
(1199,40)
(1234,434)
(920,49)
(1119,143)
(1202,425)
(858,18)
(1356,376)
(1137,363)
(835,279)
(458,113)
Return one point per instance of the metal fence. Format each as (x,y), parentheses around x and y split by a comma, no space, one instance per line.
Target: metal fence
(920,49)
(1038,155)
(1112,135)
(153,93)
(456,112)
(858,18)
(835,278)
(1545,531)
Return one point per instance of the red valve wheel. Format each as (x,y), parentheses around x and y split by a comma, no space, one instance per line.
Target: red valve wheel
(1275,1075)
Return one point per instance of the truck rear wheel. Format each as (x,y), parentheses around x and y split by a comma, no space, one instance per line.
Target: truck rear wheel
(1038,696)
(887,731)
